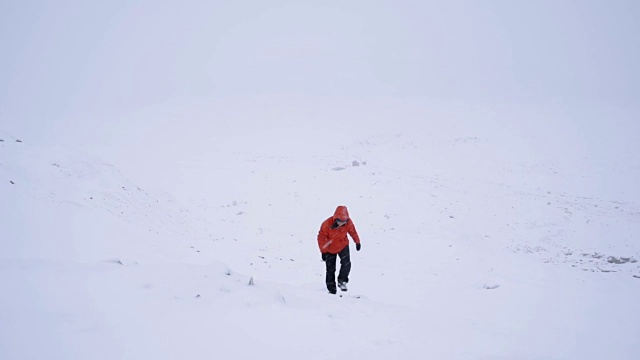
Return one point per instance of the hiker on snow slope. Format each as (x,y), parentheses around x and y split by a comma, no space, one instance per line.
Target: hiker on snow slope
(333,242)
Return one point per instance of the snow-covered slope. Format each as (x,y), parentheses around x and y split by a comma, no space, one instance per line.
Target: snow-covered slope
(479,242)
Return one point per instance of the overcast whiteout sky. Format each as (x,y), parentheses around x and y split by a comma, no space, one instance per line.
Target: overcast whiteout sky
(158,69)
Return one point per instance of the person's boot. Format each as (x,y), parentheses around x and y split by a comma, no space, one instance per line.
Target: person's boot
(342,286)
(332,288)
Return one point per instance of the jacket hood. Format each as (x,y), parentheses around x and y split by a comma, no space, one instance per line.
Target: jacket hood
(341,213)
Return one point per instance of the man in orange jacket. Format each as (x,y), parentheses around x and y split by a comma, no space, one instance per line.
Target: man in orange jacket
(333,242)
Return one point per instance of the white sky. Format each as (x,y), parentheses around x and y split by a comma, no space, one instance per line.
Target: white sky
(79,60)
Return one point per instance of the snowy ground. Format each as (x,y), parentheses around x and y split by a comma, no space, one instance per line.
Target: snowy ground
(480,240)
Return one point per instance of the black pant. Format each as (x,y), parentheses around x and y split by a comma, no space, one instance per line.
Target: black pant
(345,268)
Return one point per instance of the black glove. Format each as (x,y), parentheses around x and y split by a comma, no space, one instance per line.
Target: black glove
(324,256)
(358,247)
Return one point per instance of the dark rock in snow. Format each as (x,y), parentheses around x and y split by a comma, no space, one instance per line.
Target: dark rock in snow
(622,260)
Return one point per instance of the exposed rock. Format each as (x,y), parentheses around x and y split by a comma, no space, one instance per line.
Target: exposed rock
(622,260)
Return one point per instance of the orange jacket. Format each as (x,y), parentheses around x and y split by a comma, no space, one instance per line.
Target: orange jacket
(334,240)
